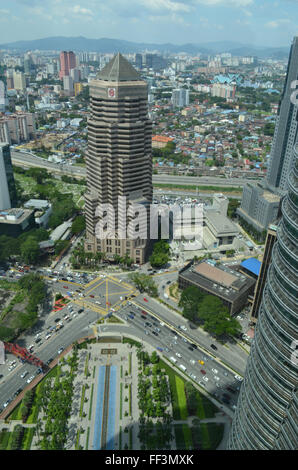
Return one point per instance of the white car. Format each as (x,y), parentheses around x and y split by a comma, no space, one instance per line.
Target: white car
(97,302)
(192,361)
(48,336)
(215,371)
(206,379)
(30,379)
(217,385)
(202,384)
(193,376)
(178,355)
(183,327)
(216,378)
(237,377)
(24,374)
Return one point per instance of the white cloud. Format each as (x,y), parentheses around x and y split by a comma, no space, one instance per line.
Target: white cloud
(226,3)
(277,23)
(82,11)
(169,5)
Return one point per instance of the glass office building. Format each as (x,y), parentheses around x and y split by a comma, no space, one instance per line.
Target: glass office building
(267,411)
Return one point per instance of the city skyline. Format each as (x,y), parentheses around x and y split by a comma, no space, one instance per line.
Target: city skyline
(263,23)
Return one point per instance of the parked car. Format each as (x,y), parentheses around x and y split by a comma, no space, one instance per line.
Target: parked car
(213,347)
(203,371)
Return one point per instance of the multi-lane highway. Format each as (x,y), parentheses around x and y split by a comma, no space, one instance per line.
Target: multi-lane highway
(30,160)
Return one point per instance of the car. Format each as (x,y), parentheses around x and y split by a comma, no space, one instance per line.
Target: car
(230,389)
(202,384)
(201,362)
(30,379)
(1,376)
(145,299)
(192,361)
(217,385)
(7,403)
(225,395)
(185,340)
(190,348)
(159,349)
(193,376)
(65,287)
(237,377)
(148,324)
(167,350)
(216,377)
(215,371)
(169,282)
(205,378)
(97,302)
(146,332)
(143,316)
(194,346)
(81,310)
(203,371)
(60,350)
(19,390)
(157,329)
(213,347)
(48,336)
(178,354)
(23,375)
(142,311)
(57,319)
(31,347)
(162,323)
(154,333)
(92,296)
(49,361)
(38,340)
(183,328)
(226,401)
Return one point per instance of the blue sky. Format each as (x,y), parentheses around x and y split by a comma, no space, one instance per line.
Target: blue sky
(257,22)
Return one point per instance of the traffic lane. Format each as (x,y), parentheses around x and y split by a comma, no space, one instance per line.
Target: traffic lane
(232,355)
(62,338)
(179,346)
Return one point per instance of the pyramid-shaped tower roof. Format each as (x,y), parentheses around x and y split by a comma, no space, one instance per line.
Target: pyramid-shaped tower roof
(118,70)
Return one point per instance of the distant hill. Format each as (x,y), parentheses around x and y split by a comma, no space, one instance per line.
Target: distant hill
(105,45)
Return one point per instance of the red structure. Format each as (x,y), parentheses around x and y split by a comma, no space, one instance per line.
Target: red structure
(67,62)
(24,354)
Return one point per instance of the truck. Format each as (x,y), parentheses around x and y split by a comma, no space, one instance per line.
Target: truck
(182,367)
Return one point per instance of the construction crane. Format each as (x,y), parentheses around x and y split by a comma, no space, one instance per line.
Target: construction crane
(24,355)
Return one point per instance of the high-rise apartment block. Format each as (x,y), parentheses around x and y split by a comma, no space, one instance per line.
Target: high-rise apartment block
(19,81)
(67,62)
(8,195)
(119,162)
(266,416)
(180,98)
(281,158)
(17,128)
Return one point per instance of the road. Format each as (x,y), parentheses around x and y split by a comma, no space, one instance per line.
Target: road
(28,159)
(91,295)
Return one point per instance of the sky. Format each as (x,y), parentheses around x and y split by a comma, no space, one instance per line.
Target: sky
(256,22)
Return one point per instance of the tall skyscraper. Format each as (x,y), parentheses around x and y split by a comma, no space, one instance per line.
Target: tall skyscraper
(286,129)
(267,411)
(67,62)
(281,157)
(8,195)
(119,160)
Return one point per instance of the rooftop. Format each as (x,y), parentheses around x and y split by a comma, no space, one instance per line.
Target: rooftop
(118,70)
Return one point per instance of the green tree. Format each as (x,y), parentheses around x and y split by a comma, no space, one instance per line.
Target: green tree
(30,250)
(78,225)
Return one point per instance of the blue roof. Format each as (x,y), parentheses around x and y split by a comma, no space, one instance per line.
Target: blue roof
(253,265)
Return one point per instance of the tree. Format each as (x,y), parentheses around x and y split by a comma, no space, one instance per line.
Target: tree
(39,174)
(30,250)
(78,225)
(189,301)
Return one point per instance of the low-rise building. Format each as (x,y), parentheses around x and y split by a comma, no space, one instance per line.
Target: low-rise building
(13,222)
(232,287)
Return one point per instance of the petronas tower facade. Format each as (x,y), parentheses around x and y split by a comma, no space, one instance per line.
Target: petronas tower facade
(267,412)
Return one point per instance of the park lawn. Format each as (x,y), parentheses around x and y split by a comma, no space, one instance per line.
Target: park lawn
(27,439)
(207,436)
(187,436)
(181,397)
(205,408)
(4,438)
